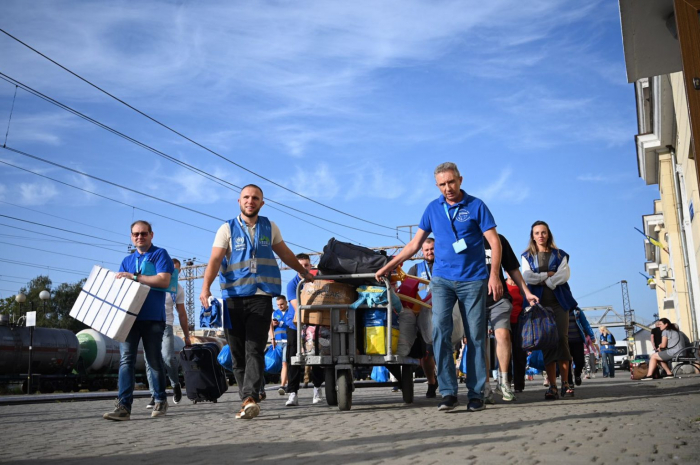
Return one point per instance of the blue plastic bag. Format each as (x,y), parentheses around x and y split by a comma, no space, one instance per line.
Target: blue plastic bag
(380,374)
(211,317)
(273,359)
(463,362)
(225,359)
(536,360)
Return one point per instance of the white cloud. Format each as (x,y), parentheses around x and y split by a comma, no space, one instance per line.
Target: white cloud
(601,178)
(506,189)
(38,193)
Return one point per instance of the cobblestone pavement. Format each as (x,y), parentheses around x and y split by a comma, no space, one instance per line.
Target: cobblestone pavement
(609,421)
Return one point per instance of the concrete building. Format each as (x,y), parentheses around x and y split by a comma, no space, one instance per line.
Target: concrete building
(662,55)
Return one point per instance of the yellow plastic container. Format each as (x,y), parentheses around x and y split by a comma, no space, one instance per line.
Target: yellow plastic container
(375,340)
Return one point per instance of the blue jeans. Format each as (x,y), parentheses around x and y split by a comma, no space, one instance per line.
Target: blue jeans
(170,361)
(608,364)
(471,296)
(151,332)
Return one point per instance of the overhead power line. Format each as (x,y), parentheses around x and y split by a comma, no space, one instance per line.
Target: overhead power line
(19,152)
(60,253)
(599,290)
(51,235)
(191,140)
(37,265)
(211,177)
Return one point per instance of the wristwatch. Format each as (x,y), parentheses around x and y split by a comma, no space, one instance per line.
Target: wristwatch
(136,277)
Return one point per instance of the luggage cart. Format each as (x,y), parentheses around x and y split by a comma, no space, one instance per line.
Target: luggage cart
(338,366)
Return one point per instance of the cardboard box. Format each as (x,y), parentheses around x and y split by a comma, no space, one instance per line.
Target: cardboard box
(322,292)
(109,305)
(320,317)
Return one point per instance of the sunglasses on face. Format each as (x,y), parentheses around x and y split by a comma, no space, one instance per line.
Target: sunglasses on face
(142,234)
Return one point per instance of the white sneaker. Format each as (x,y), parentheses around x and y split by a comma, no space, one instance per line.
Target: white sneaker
(317,396)
(293,400)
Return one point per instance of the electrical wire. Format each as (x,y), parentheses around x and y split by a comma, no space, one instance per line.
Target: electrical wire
(59,253)
(599,290)
(164,155)
(189,139)
(125,188)
(50,235)
(35,265)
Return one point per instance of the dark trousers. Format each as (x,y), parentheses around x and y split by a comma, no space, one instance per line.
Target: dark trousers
(294,372)
(250,320)
(519,356)
(579,357)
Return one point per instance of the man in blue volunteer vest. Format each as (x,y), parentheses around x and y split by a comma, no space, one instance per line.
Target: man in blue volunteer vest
(278,334)
(244,257)
(152,266)
(459,222)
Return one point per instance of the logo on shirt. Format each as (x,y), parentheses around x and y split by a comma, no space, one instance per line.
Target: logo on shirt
(239,243)
(264,241)
(463,216)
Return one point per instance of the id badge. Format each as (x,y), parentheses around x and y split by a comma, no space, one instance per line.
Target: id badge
(253,266)
(459,246)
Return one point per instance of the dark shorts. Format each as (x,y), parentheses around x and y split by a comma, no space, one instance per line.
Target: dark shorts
(665,356)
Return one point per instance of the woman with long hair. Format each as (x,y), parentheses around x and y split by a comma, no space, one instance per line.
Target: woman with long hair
(672,342)
(607,352)
(546,272)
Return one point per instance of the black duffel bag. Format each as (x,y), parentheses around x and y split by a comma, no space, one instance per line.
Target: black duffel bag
(345,258)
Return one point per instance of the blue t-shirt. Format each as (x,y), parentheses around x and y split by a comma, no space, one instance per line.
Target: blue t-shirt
(292,295)
(154,306)
(471,219)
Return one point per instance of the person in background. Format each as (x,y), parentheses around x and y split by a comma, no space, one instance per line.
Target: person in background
(546,271)
(278,334)
(173,300)
(672,342)
(579,332)
(607,352)
(519,365)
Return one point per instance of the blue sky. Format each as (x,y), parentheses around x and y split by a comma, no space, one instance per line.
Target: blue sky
(351,104)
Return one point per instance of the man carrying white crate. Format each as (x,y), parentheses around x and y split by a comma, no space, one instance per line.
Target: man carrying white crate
(152,266)
(244,257)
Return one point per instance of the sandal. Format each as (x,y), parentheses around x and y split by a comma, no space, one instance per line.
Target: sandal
(567,390)
(552,393)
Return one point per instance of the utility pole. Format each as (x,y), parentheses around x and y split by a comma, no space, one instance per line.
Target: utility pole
(187,275)
(628,317)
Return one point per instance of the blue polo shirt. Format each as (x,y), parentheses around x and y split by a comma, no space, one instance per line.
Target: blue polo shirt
(471,219)
(291,295)
(153,308)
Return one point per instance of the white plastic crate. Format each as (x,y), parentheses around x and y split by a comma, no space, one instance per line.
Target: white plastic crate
(109,305)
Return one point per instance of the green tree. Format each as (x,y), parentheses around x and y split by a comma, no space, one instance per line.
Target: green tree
(55,312)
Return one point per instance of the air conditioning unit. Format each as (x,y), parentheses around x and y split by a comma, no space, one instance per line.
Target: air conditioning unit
(663,271)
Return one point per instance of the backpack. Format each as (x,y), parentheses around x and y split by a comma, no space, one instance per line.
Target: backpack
(345,258)
(538,328)
(613,339)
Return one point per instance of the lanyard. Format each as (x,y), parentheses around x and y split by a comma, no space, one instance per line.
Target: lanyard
(139,268)
(427,271)
(244,227)
(452,218)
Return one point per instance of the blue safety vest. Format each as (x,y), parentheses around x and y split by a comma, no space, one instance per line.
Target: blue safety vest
(561,292)
(235,275)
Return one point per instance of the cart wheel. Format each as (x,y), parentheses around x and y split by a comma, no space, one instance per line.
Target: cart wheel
(344,387)
(331,394)
(407,383)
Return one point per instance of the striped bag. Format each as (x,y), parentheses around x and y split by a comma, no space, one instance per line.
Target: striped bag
(538,328)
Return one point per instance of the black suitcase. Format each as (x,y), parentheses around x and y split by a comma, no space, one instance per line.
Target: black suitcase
(205,378)
(345,258)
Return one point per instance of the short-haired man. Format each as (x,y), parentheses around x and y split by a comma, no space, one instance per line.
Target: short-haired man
(423,321)
(152,266)
(173,300)
(243,255)
(459,223)
(499,315)
(278,334)
(292,348)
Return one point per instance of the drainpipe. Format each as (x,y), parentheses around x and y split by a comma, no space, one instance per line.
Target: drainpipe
(680,202)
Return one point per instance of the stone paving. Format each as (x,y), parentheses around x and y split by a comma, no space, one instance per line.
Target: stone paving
(609,421)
